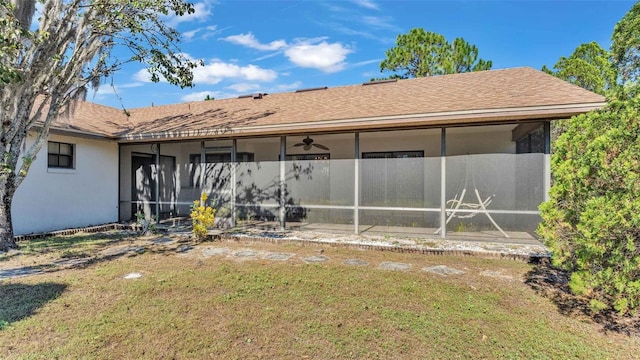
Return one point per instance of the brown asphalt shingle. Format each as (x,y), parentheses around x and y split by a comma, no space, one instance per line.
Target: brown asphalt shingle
(94,118)
(495,89)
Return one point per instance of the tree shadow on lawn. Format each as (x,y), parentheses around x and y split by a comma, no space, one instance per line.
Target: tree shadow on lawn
(553,283)
(77,251)
(66,242)
(19,301)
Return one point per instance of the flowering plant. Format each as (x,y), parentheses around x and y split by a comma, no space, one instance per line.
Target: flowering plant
(202,217)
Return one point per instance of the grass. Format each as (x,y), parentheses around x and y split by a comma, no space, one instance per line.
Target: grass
(190,306)
(44,250)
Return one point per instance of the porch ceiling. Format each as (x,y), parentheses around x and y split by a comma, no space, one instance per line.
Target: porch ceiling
(497,96)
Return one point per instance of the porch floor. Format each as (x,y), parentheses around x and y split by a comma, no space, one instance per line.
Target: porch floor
(515,237)
(518,244)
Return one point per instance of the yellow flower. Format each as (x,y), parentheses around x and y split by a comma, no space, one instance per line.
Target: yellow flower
(202,217)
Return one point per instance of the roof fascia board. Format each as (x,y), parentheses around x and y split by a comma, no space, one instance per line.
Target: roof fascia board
(451,118)
(78,133)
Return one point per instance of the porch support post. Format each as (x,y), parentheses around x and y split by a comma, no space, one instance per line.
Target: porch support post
(547,159)
(356,184)
(283,156)
(158,178)
(120,202)
(203,160)
(234,167)
(443,183)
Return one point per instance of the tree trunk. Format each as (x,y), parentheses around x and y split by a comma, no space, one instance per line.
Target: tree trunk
(7,189)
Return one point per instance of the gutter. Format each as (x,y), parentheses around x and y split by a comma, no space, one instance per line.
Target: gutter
(79,133)
(438,119)
(57,130)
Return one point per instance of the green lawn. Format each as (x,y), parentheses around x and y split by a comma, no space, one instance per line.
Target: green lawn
(191,306)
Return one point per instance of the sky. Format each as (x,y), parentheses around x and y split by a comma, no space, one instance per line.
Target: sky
(273,46)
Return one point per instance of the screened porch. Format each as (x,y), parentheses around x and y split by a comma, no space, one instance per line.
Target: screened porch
(470,182)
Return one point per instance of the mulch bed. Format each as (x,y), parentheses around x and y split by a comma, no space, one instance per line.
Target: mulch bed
(553,284)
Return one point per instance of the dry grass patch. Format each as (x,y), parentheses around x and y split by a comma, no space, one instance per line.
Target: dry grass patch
(44,250)
(194,306)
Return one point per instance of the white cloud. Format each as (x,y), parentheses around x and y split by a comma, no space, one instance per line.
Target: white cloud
(108,89)
(217,71)
(250,41)
(366,62)
(333,7)
(370,74)
(367,4)
(264,57)
(105,90)
(142,75)
(244,87)
(323,56)
(206,32)
(130,85)
(314,40)
(381,22)
(286,87)
(349,31)
(200,95)
(188,35)
(202,12)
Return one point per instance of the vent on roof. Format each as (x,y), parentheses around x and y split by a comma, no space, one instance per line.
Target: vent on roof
(254,96)
(312,89)
(380,82)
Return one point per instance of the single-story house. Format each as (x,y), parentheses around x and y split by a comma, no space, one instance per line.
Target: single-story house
(440,155)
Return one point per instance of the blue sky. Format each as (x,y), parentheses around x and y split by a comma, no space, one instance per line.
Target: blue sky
(276,46)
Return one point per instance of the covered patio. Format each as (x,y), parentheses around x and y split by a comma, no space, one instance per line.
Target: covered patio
(460,156)
(412,182)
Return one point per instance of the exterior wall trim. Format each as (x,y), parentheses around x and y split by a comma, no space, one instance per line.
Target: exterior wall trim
(439,119)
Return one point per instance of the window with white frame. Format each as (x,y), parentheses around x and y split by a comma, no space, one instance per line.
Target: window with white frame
(61,155)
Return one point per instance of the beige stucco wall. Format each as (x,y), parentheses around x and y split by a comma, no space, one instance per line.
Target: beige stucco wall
(54,199)
(460,141)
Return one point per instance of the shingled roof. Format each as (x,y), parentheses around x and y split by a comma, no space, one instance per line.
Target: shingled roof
(494,96)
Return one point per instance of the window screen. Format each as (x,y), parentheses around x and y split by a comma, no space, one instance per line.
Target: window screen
(393,178)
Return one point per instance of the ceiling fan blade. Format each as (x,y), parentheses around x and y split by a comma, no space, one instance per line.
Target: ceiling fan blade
(320,146)
(300,144)
(307,147)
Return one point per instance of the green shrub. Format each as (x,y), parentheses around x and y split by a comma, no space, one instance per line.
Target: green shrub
(592,220)
(202,217)
(146,226)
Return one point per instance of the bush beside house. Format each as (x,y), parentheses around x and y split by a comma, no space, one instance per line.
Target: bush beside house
(592,221)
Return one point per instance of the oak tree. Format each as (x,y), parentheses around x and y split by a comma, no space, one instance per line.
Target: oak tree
(51,54)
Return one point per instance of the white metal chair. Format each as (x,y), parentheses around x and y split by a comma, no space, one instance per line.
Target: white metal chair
(458,208)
